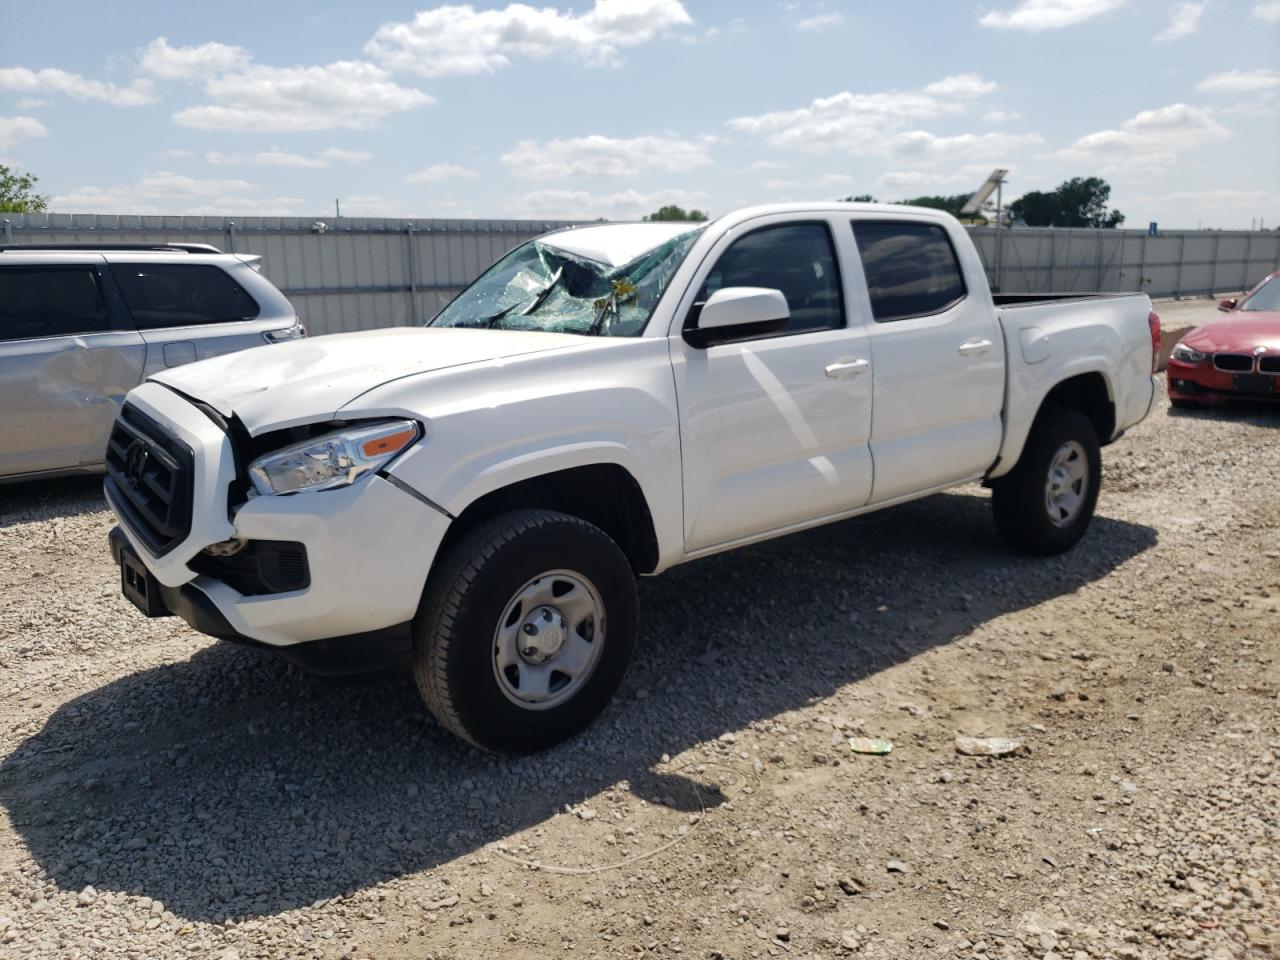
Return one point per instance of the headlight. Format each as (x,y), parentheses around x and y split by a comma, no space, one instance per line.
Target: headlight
(333,460)
(1184,353)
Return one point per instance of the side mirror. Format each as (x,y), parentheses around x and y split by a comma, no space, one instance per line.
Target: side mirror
(740,313)
(1228,304)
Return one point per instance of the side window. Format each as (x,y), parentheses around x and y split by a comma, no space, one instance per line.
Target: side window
(911,268)
(181,294)
(50,302)
(796,258)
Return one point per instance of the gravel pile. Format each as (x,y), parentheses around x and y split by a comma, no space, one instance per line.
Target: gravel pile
(167,796)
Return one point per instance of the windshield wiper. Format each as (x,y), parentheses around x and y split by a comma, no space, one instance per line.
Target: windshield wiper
(542,294)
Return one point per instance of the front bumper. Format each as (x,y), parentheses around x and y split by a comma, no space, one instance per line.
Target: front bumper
(1203,383)
(368,547)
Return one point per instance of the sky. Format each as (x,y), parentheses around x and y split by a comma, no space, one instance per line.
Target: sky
(612,108)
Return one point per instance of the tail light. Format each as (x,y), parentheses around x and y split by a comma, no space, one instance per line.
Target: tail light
(1153,321)
(295,332)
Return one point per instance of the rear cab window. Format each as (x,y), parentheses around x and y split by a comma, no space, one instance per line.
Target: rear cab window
(52,301)
(182,294)
(911,268)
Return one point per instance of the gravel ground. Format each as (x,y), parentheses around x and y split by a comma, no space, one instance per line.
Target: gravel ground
(167,796)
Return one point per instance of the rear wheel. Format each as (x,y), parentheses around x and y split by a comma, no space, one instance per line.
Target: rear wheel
(1044,505)
(525,631)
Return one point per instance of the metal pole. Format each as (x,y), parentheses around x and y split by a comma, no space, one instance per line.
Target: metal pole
(1213,270)
(412,246)
(1142,265)
(1182,247)
(1248,256)
(8,231)
(337,207)
(999,233)
(1053,258)
(231,234)
(1097,286)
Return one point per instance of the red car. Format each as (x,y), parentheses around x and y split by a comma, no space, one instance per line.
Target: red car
(1237,357)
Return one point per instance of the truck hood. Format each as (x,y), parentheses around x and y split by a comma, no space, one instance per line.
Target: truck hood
(304,381)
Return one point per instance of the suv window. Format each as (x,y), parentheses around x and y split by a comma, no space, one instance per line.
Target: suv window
(50,302)
(796,258)
(181,294)
(911,268)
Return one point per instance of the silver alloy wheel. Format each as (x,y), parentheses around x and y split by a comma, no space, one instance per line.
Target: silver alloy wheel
(1067,483)
(549,639)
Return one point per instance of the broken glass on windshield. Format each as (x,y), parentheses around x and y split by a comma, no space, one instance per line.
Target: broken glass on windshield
(539,286)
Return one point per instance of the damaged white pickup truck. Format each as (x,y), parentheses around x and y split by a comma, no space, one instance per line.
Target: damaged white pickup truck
(479,495)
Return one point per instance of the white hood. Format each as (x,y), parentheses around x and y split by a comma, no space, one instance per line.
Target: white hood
(308,380)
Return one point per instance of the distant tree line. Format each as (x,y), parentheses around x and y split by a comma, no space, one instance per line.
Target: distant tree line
(1078,202)
(17,192)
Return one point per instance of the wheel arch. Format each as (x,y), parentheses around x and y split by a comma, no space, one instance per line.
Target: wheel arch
(1090,391)
(604,494)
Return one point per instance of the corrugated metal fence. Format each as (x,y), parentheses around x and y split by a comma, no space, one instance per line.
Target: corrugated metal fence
(356,273)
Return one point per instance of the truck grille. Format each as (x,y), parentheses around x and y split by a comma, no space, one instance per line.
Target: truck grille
(1269,365)
(1233,362)
(149,480)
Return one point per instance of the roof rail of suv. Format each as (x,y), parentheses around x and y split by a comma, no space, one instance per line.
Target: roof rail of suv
(170,247)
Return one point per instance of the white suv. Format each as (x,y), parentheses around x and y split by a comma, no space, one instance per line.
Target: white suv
(82,325)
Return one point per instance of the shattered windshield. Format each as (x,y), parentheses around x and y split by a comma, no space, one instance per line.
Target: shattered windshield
(539,286)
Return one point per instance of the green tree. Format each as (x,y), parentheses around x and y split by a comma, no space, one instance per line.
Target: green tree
(672,212)
(862,198)
(951,204)
(1078,202)
(17,192)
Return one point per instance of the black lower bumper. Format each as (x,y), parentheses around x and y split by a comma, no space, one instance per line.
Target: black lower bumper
(376,651)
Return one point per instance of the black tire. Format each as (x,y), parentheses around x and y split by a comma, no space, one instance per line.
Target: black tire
(1018,498)
(469,591)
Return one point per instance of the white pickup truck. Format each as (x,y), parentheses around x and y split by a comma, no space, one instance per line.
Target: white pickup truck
(479,495)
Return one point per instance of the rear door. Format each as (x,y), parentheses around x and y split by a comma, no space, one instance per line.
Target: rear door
(937,353)
(193,310)
(67,358)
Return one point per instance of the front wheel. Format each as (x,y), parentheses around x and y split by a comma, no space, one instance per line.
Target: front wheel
(525,631)
(1044,505)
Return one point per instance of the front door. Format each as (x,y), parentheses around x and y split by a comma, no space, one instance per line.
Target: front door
(774,432)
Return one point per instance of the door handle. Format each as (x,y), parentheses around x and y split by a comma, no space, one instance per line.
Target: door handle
(973,347)
(841,367)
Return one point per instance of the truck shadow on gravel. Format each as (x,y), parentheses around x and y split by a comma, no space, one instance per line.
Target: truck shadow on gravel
(50,499)
(229,785)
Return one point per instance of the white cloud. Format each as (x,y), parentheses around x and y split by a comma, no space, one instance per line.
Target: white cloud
(1150,140)
(880,124)
(273,157)
(441,171)
(961,85)
(767,165)
(1268,11)
(582,205)
(246,207)
(32,103)
(1037,15)
(13,129)
(373,205)
(166,192)
(599,156)
(922,147)
(1184,20)
(458,39)
(160,59)
(820,22)
(347,93)
(52,80)
(346,156)
(918,183)
(1000,116)
(1241,81)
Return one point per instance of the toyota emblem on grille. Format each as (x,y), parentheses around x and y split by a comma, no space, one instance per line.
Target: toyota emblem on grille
(135,461)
